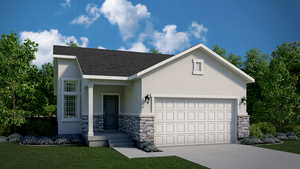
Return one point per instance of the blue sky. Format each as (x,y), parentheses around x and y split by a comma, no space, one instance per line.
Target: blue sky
(140,25)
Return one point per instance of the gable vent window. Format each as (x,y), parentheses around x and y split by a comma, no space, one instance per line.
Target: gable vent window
(70,99)
(197,66)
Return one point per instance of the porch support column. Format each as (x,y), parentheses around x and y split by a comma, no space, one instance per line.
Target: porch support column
(91,111)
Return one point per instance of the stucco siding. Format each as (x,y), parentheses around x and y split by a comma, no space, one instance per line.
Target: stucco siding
(177,78)
(132,98)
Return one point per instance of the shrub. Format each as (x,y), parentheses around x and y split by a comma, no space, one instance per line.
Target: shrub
(267,128)
(255,131)
(296,129)
(4,130)
(262,128)
(39,127)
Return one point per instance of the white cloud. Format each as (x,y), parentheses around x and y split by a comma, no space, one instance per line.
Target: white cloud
(198,30)
(46,39)
(93,13)
(169,40)
(136,47)
(101,47)
(66,3)
(125,15)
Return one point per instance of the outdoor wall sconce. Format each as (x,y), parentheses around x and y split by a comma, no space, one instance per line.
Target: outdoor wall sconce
(243,100)
(148,97)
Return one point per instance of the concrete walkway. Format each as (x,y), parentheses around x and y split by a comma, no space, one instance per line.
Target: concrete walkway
(225,156)
(132,152)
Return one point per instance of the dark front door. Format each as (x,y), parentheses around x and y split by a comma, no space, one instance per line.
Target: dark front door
(110,109)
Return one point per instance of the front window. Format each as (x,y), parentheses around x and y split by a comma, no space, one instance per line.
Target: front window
(70,99)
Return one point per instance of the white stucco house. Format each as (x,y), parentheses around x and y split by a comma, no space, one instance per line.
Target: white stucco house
(193,97)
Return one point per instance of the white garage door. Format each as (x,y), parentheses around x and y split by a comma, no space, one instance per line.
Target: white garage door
(181,121)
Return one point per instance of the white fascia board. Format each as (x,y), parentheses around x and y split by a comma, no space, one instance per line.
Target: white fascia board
(105,77)
(141,73)
(229,65)
(224,61)
(64,57)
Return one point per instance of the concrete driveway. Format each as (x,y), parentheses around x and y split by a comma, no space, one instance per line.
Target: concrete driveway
(235,156)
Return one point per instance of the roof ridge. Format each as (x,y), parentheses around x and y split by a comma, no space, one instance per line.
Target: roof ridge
(112,50)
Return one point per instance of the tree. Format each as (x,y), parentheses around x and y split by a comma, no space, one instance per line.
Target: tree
(280,100)
(235,60)
(256,65)
(154,51)
(290,55)
(72,44)
(43,100)
(219,50)
(15,85)
(232,58)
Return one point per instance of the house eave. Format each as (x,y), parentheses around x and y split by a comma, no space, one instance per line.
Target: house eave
(100,77)
(64,57)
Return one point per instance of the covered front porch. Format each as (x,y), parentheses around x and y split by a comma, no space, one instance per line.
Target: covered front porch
(101,106)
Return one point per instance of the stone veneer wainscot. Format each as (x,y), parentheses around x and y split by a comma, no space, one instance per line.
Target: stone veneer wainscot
(98,123)
(243,126)
(140,128)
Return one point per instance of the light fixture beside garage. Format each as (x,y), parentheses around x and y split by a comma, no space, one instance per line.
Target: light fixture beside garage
(243,100)
(148,97)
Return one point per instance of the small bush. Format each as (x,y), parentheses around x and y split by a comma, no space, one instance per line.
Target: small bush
(255,131)
(262,128)
(4,131)
(267,128)
(296,129)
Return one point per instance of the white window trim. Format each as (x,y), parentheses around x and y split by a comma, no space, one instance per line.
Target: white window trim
(197,72)
(77,93)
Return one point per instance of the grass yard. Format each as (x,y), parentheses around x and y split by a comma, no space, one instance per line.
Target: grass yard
(13,156)
(288,146)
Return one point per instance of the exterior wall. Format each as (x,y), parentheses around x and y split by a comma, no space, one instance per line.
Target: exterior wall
(132,98)
(216,81)
(66,68)
(140,128)
(177,79)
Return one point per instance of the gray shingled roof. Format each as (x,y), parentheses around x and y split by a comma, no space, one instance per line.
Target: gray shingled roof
(110,62)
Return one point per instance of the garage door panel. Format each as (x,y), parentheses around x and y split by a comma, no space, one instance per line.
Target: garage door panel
(170,127)
(180,121)
(170,115)
(180,115)
(180,127)
(191,115)
(190,139)
(180,139)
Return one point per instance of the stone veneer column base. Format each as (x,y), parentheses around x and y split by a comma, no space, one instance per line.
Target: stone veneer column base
(243,126)
(98,123)
(140,128)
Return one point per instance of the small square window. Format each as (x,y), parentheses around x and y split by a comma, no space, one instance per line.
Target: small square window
(69,85)
(197,66)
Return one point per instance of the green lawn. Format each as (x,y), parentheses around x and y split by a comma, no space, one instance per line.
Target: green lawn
(13,156)
(288,146)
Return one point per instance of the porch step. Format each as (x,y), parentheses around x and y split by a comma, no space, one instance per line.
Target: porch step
(120,142)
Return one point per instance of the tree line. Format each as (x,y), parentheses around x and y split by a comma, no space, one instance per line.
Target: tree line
(27,90)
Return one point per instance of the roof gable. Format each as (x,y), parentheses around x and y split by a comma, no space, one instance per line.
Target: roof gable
(211,53)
